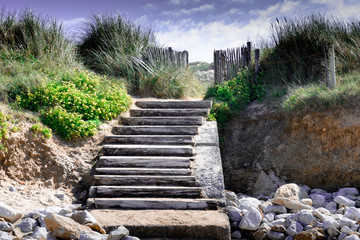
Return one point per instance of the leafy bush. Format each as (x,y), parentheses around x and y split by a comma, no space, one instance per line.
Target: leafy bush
(40,129)
(80,92)
(4,130)
(68,125)
(234,94)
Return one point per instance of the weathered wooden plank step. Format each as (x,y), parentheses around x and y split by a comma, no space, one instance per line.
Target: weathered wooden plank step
(155,130)
(185,121)
(146,191)
(150,139)
(155,203)
(139,180)
(173,104)
(144,171)
(149,150)
(144,162)
(152,112)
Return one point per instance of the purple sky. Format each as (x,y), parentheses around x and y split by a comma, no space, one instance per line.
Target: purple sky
(199,26)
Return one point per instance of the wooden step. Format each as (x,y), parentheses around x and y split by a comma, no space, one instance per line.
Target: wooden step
(150,139)
(149,150)
(144,171)
(149,112)
(155,130)
(139,180)
(144,162)
(155,203)
(185,121)
(146,191)
(173,104)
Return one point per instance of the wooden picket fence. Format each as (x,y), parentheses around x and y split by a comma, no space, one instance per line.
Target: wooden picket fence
(228,63)
(167,55)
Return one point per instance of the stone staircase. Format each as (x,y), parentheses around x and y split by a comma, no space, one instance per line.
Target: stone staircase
(147,163)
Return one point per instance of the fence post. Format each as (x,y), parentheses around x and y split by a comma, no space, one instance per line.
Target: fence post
(217,67)
(223,65)
(326,66)
(332,79)
(171,53)
(185,58)
(257,63)
(248,54)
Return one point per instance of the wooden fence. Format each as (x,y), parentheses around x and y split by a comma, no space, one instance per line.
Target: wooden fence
(168,55)
(227,63)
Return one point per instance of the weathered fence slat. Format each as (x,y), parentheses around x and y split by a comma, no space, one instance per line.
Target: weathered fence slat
(228,63)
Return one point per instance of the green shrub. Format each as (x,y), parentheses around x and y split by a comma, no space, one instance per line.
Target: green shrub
(40,129)
(4,130)
(68,125)
(234,94)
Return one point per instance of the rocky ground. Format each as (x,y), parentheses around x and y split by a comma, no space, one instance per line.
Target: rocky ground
(68,222)
(294,212)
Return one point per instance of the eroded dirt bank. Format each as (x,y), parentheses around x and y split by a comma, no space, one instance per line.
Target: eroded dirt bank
(262,149)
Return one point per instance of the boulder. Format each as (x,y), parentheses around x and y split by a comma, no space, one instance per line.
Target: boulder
(332,207)
(305,217)
(27,225)
(6,226)
(8,213)
(64,227)
(275,235)
(292,191)
(40,233)
(346,222)
(236,235)
(83,217)
(234,215)
(318,200)
(344,200)
(353,213)
(311,234)
(278,209)
(251,220)
(291,203)
(118,233)
(294,229)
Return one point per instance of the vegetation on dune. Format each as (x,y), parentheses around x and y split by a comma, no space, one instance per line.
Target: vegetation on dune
(118,47)
(292,66)
(40,71)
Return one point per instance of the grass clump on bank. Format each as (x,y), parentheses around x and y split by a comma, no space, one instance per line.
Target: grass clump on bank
(115,46)
(295,53)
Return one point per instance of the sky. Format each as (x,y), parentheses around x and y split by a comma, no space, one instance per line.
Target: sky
(198,26)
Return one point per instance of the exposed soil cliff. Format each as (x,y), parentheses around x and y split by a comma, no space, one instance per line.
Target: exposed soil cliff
(320,149)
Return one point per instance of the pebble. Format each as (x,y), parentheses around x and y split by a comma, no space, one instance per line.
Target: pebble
(275,235)
(278,209)
(251,220)
(294,229)
(305,217)
(12,189)
(235,215)
(236,235)
(27,225)
(344,200)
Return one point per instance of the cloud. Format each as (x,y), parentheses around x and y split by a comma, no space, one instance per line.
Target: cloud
(202,8)
(150,6)
(339,8)
(240,1)
(177,2)
(235,11)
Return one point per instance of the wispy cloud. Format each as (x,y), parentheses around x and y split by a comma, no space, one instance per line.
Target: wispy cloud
(184,11)
(240,1)
(339,8)
(235,11)
(150,6)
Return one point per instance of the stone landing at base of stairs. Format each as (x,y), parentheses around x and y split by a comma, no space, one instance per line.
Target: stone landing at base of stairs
(167,224)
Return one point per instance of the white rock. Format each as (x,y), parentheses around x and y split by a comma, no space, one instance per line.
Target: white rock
(318,200)
(318,191)
(306,189)
(6,226)
(341,211)
(346,222)
(236,235)
(323,211)
(284,216)
(231,196)
(8,213)
(246,206)
(351,237)
(327,221)
(270,217)
(92,236)
(27,225)
(352,213)
(354,227)
(235,215)
(251,220)
(307,201)
(250,200)
(278,209)
(275,235)
(130,238)
(342,235)
(119,233)
(5,236)
(346,230)
(344,200)
(289,238)
(333,231)
(294,229)
(347,191)
(39,232)
(332,207)
(279,222)
(83,217)
(305,217)
(292,191)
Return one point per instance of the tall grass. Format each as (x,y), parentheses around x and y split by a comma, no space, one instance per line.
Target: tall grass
(108,42)
(295,53)
(116,46)
(30,45)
